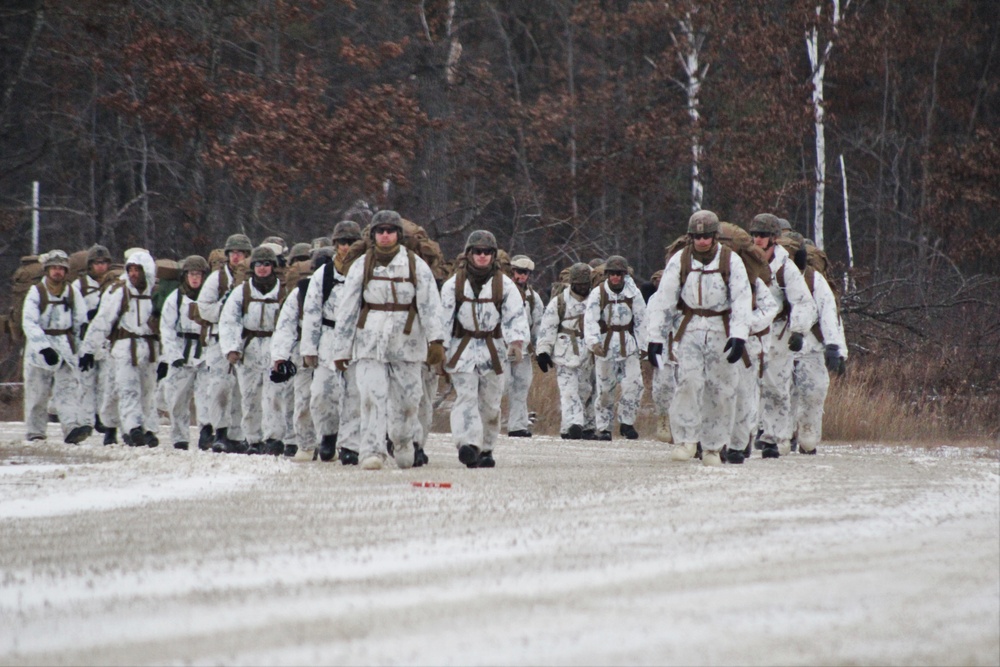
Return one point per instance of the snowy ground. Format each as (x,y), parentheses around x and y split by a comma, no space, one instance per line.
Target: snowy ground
(574,553)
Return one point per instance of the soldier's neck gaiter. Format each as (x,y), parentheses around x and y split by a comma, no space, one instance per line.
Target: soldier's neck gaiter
(384,255)
(265,285)
(55,288)
(477,276)
(708,255)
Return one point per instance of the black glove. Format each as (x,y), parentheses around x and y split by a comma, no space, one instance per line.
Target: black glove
(177,363)
(161,370)
(795,341)
(51,357)
(735,347)
(544,362)
(654,350)
(832,357)
(86,362)
(83,330)
(284,372)
(91,314)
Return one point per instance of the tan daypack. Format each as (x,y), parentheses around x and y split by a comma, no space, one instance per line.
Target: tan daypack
(415,239)
(27,275)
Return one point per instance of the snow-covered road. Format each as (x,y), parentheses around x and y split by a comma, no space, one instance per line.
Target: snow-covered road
(574,553)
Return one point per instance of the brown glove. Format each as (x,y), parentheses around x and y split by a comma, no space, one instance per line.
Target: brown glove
(598,350)
(233,357)
(341,364)
(435,353)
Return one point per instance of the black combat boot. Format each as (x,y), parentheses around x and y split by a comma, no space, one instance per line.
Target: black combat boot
(252,448)
(589,434)
(291,450)
(733,455)
(274,447)
(77,435)
(205,437)
(469,455)
(136,437)
(419,456)
(628,431)
(110,436)
(328,447)
(236,447)
(181,445)
(574,432)
(519,433)
(149,439)
(486,460)
(98,426)
(348,457)
(768,450)
(604,435)
(221,438)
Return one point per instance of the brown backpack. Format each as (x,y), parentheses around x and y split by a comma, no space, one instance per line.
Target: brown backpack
(29,274)
(414,238)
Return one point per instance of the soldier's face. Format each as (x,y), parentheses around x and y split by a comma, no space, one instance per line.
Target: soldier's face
(343,245)
(236,256)
(481,257)
(56,273)
(521,277)
(386,237)
(616,278)
(761,239)
(135,274)
(194,279)
(99,267)
(703,242)
(262,269)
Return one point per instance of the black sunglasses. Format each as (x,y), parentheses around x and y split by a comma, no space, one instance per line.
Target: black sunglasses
(522,272)
(385,230)
(701,237)
(482,251)
(760,235)
(615,273)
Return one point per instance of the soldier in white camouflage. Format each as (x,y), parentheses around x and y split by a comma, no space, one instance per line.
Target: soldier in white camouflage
(183,362)
(125,316)
(246,325)
(54,314)
(708,283)
(797,316)
(94,382)
(824,351)
(287,360)
(330,387)
(224,410)
(560,344)
(388,324)
(486,329)
(615,332)
(518,422)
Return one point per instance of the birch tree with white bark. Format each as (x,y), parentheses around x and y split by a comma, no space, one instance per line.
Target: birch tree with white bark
(817,60)
(689,48)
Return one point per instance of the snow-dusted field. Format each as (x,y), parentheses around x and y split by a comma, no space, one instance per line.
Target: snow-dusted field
(575,553)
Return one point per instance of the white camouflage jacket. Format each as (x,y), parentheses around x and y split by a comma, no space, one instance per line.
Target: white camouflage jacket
(65,313)
(319,316)
(534,308)
(383,337)
(287,332)
(831,326)
(479,313)
(128,310)
(704,290)
(249,335)
(562,339)
(624,319)
(210,301)
(180,336)
(795,292)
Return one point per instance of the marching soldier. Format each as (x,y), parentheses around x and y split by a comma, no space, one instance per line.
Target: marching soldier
(518,423)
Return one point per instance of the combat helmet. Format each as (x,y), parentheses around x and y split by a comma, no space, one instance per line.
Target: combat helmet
(239,242)
(55,258)
(263,254)
(703,222)
(766,223)
(481,238)
(97,253)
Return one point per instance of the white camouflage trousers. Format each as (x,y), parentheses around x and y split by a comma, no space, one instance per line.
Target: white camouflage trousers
(224,407)
(811,381)
(518,384)
(349,434)
(181,386)
(390,400)
(302,431)
(107,393)
(747,408)
(427,402)
(475,415)
(575,393)
(61,384)
(776,417)
(263,410)
(664,385)
(89,395)
(136,394)
(703,408)
(324,403)
(612,374)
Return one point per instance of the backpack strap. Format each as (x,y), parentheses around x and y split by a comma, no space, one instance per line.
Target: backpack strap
(466,335)
(725,257)
(248,298)
(610,330)
(65,301)
(574,333)
(395,306)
